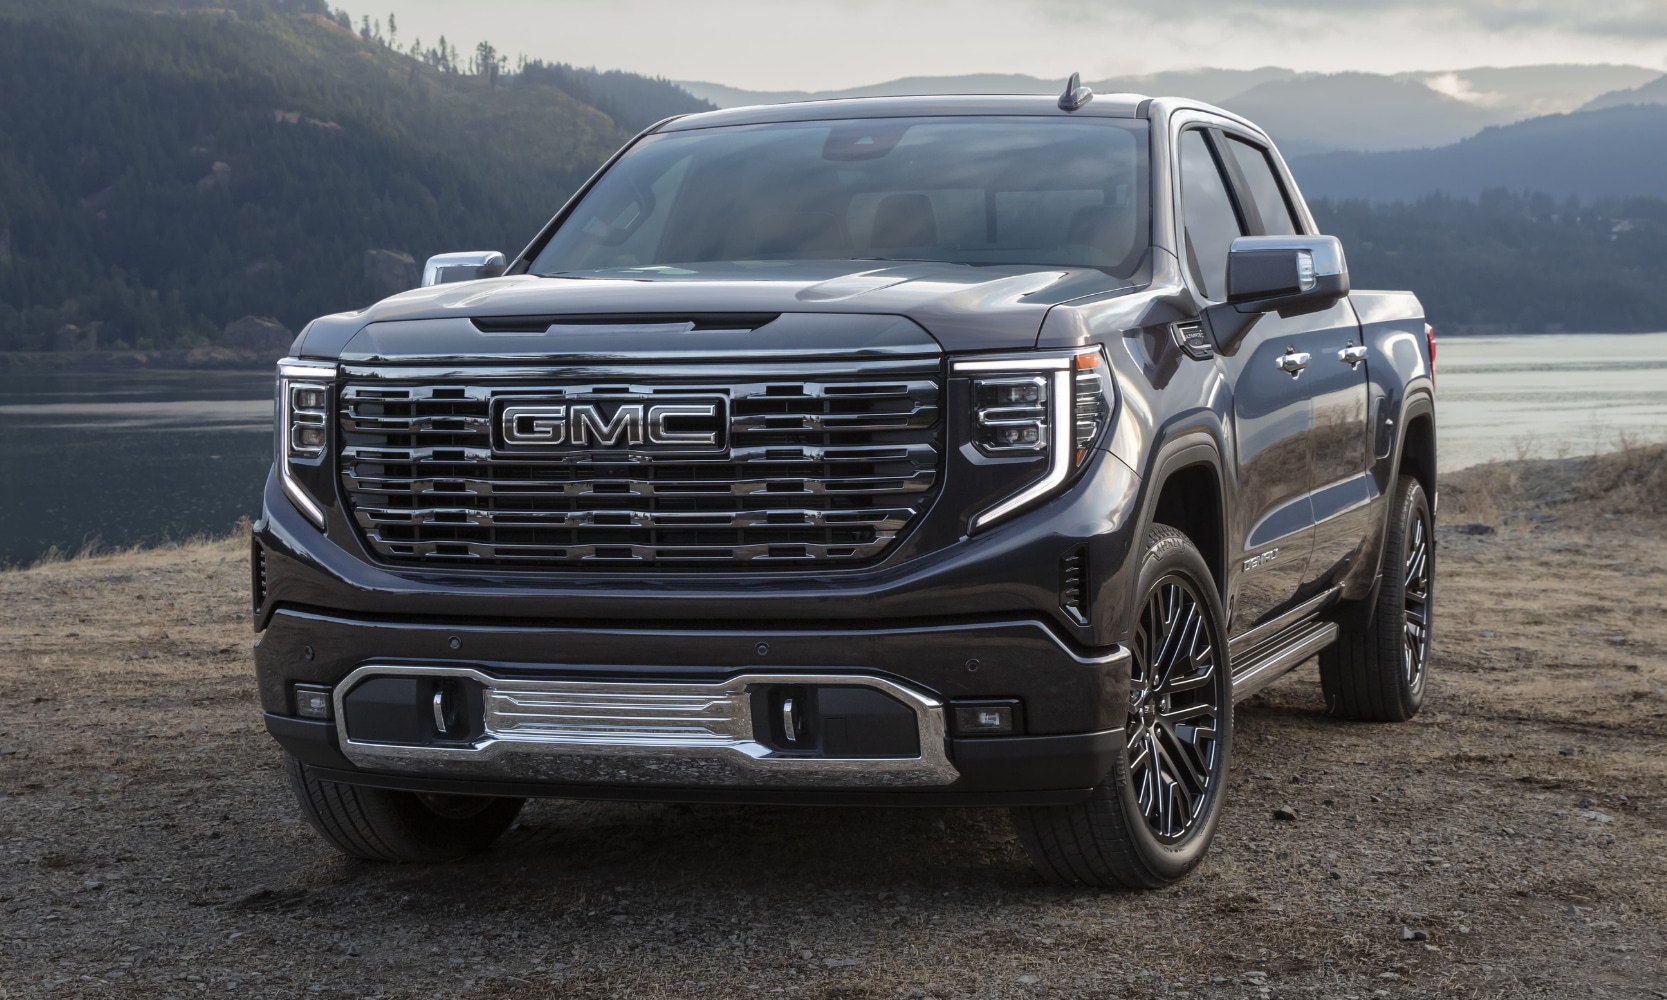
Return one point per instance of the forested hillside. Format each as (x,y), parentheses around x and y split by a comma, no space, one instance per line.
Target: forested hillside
(165,172)
(1513,262)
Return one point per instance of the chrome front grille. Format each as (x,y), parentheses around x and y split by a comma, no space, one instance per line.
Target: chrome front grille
(823,464)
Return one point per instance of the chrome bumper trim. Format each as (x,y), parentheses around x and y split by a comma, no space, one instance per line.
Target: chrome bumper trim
(645,732)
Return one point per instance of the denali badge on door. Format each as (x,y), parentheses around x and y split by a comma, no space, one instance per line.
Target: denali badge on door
(541,425)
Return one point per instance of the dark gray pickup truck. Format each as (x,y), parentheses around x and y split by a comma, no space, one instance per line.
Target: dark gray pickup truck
(911,451)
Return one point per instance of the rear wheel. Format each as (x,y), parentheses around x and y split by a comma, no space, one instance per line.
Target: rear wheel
(1377,669)
(1153,817)
(382,825)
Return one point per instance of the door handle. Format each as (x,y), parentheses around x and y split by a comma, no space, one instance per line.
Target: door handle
(1295,362)
(1352,355)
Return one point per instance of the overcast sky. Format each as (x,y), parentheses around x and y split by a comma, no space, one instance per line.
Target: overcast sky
(823,44)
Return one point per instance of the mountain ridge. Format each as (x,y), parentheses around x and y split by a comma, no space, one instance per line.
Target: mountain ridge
(1586,155)
(1403,110)
(1654,92)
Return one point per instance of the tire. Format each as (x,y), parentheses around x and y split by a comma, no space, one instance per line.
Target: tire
(1123,834)
(381,825)
(1376,671)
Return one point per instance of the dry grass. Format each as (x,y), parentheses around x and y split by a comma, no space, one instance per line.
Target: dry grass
(1481,494)
(94,550)
(1631,478)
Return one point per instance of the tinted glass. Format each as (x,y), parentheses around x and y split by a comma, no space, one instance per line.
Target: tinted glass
(1265,190)
(964,190)
(1207,216)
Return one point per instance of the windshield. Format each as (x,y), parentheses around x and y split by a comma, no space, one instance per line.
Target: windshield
(964,190)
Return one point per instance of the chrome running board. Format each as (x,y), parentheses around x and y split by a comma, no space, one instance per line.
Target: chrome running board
(1268,662)
(1270,631)
(699,734)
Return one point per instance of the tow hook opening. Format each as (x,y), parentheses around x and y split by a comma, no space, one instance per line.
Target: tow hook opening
(415,711)
(843,721)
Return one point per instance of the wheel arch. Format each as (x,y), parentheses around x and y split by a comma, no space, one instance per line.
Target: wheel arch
(1416,450)
(1186,490)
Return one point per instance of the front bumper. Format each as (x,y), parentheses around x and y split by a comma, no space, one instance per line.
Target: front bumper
(1072,709)
(976,619)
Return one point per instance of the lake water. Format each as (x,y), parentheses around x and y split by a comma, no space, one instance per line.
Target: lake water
(121,459)
(1547,396)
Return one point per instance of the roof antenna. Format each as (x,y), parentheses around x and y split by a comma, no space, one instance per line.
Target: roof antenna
(1076,95)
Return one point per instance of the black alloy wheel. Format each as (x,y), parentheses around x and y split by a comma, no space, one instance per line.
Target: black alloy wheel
(1151,819)
(1416,599)
(1379,668)
(1174,723)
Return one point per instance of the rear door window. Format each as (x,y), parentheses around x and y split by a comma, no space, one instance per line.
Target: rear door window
(1265,190)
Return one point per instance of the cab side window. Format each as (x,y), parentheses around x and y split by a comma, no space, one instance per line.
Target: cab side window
(1265,190)
(1208,220)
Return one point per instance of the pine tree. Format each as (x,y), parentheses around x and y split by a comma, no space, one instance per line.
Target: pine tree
(486,63)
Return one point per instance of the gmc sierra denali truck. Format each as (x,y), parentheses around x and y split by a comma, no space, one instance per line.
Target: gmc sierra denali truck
(971,451)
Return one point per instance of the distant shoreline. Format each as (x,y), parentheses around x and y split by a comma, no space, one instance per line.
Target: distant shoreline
(209,358)
(1458,331)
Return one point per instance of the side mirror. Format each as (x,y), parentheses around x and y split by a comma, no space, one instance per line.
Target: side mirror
(1290,275)
(443,269)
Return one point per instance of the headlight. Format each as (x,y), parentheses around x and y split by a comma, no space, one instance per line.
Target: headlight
(307,419)
(303,427)
(1054,405)
(1012,413)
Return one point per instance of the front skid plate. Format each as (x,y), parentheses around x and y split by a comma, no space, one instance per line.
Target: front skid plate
(561,731)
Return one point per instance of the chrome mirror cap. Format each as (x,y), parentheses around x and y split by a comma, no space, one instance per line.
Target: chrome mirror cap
(445,268)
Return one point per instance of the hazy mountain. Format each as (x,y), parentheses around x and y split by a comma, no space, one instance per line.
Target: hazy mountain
(1520,92)
(1205,84)
(980,83)
(1358,111)
(1608,153)
(1654,92)
(1307,112)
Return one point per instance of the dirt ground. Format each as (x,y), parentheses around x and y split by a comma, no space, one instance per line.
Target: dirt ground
(1509,842)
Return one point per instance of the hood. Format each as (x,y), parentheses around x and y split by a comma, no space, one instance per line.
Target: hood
(962,307)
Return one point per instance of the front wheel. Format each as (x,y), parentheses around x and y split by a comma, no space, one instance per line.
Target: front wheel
(1376,672)
(1153,817)
(378,824)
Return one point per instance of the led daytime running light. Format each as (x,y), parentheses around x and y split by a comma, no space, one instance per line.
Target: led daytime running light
(1061,418)
(303,426)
